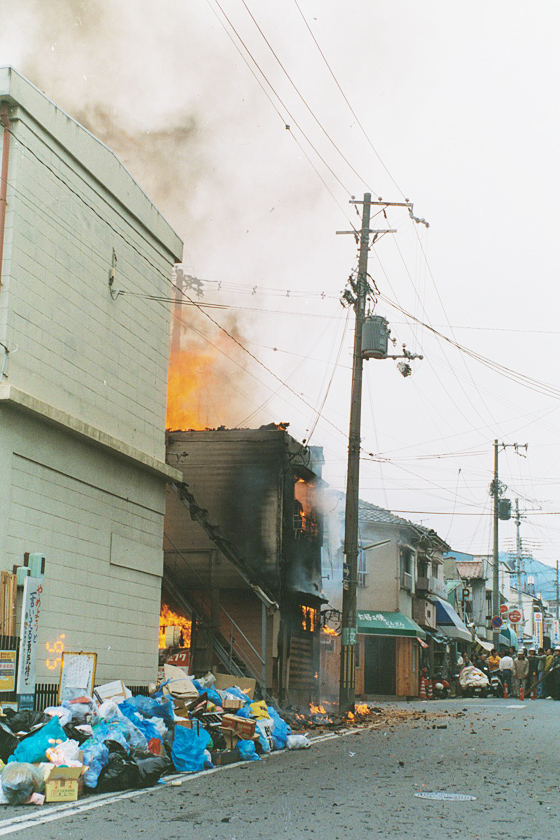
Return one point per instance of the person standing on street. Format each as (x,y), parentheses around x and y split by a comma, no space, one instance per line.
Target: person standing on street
(506,668)
(520,671)
(549,659)
(555,675)
(541,657)
(494,660)
(533,676)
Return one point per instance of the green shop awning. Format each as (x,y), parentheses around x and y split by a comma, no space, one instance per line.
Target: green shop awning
(388,624)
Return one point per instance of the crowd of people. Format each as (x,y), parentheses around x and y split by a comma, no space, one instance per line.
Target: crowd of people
(535,670)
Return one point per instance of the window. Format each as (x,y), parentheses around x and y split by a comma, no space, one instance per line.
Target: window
(406,558)
(362,568)
(423,568)
(309,618)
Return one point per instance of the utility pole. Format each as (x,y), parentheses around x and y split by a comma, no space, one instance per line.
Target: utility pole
(349,594)
(518,561)
(358,297)
(557,592)
(495,552)
(496,490)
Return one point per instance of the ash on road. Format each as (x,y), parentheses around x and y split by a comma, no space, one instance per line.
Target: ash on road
(362,785)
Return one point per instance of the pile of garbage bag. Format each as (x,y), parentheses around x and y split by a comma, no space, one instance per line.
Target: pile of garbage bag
(186,725)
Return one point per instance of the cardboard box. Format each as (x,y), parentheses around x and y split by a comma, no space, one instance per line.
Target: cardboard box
(231,704)
(244,727)
(231,738)
(225,757)
(246,685)
(64,784)
(111,691)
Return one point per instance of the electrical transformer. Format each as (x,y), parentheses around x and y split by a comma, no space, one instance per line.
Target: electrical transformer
(504,509)
(375,337)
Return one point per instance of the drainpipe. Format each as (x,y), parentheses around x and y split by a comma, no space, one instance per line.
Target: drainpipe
(4,176)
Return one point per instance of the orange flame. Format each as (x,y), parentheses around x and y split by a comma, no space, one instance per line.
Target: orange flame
(202,391)
(329,631)
(362,709)
(168,618)
(187,374)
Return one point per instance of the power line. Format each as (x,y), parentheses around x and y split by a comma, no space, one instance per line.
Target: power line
(352,111)
(293,84)
(246,48)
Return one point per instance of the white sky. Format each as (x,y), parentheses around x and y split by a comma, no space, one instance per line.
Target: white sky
(460,102)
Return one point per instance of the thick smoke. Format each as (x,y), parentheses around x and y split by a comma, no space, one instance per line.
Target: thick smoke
(146,82)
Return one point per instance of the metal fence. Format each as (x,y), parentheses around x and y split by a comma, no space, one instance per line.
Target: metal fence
(46,694)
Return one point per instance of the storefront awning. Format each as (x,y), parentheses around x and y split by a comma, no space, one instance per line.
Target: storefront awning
(507,637)
(439,637)
(382,623)
(488,646)
(449,622)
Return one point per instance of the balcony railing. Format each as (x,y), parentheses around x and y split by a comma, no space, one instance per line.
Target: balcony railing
(431,585)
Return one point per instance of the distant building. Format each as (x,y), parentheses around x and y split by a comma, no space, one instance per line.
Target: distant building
(400,583)
(83,373)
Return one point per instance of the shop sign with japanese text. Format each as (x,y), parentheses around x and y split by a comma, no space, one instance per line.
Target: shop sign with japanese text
(7,670)
(31,611)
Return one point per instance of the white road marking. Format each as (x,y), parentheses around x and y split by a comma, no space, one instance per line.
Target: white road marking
(71,809)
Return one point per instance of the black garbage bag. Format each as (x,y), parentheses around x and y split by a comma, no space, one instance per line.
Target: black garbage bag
(25,720)
(8,742)
(118,774)
(76,734)
(116,747)
(150,767)
(139,770)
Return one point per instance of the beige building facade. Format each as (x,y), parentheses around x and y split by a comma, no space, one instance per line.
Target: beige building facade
(83,385)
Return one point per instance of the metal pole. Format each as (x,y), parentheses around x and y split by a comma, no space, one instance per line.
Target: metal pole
(495,553)
(347,693)
(518,555)
(557,592)
(263,645)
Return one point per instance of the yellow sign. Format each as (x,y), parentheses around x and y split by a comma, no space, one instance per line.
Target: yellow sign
(8,670)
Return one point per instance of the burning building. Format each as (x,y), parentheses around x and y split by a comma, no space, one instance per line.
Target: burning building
(243,553)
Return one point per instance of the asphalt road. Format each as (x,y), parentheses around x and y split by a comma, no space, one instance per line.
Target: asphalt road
(361,785)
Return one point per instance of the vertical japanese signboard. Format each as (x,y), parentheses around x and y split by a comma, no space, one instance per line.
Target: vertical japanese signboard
(538,628)
(31,611)
(556,632)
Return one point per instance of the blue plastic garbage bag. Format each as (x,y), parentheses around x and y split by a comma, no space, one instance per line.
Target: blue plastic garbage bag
(146,728)
(281,729)
(247,751)
(33,748)
(236,692)
(244,711)
(188,749)
(96,756)
(157,706)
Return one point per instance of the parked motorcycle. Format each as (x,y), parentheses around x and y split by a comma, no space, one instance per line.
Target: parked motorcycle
(496,684)
(473,682)
(440,687)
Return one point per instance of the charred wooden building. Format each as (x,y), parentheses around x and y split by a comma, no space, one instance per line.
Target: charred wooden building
(243,553)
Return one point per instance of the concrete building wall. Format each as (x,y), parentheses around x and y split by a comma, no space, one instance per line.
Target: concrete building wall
(98,521)
(99,359)
(83,394)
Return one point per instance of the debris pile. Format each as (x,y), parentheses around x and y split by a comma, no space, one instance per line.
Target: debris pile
(321,718)
(117,742)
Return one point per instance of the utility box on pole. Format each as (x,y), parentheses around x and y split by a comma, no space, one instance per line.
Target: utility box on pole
(375,337)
